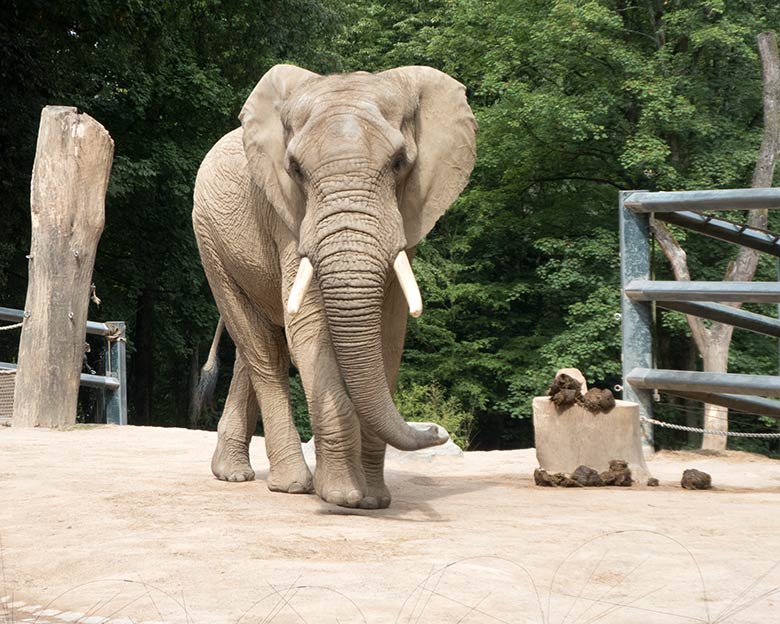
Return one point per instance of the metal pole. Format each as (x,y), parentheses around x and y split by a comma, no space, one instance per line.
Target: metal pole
(727,314)
(754,292)
(725,230)
(635,316)
(697,381)
(116,402)
(724,199)
(14,315)
(86,380)
(744,403)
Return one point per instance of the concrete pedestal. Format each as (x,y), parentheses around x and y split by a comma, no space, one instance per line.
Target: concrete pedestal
(573,436)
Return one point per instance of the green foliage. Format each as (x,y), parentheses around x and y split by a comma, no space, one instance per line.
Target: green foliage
(430,403)
(299,410)
(167,80)
(576,99)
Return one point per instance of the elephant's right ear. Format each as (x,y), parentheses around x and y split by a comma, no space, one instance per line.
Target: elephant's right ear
(264,140)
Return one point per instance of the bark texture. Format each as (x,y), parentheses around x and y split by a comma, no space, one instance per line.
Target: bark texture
(713,343)
(72,165)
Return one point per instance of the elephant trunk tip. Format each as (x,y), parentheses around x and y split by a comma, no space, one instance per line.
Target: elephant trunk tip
(438,435)
(422,437)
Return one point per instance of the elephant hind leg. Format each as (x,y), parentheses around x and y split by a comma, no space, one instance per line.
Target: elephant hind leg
(230,461)
(288,471)
(263,373)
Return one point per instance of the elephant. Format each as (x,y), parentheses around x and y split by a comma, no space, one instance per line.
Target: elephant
(306,218)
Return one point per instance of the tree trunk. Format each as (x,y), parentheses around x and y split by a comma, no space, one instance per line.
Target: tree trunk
(764,172)
(716,417)
(691,416)
(67,200)
(143,359)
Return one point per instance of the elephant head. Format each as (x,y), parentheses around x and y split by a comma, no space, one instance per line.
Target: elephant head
(360,167)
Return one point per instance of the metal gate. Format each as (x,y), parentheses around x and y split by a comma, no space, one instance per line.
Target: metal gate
(113,383)
(703,299)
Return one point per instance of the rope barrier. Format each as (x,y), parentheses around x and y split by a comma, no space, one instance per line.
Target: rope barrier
(116,336)
(14,326)
(731,434)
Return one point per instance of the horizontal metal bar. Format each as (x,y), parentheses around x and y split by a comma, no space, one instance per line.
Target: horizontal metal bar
(748,404)
(726,199)
(724,230)
(727,314)
(10,314)
(693,381)
(90,381)
(649,290)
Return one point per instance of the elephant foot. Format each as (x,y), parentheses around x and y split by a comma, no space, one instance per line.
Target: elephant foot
(344,487)
(230,461)
(377,495)
(291,476)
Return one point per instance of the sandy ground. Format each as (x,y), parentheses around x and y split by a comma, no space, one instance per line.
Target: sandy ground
(127,524)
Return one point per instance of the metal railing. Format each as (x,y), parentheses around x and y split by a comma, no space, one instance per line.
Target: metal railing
(114,382)
(704,299)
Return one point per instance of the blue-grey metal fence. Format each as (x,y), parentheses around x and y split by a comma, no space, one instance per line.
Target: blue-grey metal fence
(704,299)
(114,382)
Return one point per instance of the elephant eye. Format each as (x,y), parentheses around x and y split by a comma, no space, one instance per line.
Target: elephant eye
(295,168)
(399,160)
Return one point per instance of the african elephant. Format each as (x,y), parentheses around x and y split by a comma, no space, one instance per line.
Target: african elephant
(306,218)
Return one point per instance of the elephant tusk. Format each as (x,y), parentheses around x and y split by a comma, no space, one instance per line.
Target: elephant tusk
(300,286)
(408,284)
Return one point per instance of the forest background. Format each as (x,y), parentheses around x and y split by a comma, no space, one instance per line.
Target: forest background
(576,100)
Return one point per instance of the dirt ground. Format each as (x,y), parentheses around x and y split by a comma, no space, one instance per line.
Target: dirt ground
(126,524)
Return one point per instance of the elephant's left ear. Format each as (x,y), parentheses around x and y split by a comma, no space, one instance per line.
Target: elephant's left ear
(444,130)
(264,140)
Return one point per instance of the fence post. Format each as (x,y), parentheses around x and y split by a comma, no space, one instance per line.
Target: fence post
(635,315)
(72,164)
(116,401)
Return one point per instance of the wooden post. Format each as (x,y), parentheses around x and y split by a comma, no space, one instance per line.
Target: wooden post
(72,164)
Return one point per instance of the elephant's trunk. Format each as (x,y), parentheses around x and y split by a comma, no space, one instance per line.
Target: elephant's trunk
(352,287)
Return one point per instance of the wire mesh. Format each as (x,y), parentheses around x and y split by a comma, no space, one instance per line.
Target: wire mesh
(7,383)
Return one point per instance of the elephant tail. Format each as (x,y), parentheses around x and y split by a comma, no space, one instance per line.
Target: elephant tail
(203,392)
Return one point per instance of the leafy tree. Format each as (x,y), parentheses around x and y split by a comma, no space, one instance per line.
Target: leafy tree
(575,100)
(167,79)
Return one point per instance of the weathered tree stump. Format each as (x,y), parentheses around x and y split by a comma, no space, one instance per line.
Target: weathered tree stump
(67,199)
(571,436)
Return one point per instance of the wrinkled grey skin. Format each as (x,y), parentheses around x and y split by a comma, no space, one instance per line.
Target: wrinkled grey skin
(347,171)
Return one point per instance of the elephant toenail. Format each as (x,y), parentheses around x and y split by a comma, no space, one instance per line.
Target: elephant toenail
(337,498)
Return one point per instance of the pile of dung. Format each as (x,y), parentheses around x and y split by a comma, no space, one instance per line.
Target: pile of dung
(619,474)
(566,391)
(693,479)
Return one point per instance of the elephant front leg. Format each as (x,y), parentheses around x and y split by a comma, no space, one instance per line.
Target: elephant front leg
(230,461)
(373,460)
(338,478)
